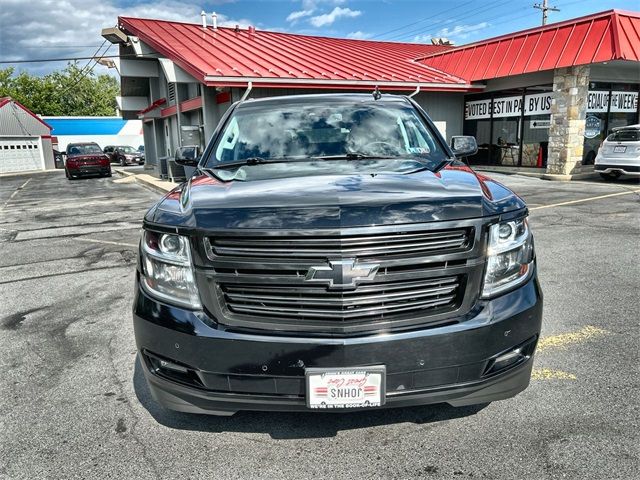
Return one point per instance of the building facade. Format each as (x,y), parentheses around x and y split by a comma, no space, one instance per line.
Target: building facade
(542,98)
(102,130)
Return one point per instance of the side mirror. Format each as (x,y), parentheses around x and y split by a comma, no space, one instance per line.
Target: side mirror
(464,146)
(188,156)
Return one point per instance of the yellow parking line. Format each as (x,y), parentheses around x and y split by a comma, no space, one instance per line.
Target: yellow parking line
(564,339)
(582,200)
(549,374)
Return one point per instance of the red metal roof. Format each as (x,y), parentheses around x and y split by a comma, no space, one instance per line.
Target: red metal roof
(601,37)
(269,59)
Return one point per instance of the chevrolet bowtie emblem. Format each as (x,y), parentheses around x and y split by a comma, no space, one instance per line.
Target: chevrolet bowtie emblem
(342,274)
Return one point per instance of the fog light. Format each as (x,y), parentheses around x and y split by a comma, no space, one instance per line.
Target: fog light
(511,358)
(172,371)
(507,359)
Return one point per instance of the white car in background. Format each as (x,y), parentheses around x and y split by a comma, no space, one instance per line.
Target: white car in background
(620,153)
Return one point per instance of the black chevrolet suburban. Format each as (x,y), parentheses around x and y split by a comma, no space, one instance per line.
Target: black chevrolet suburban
(332,253)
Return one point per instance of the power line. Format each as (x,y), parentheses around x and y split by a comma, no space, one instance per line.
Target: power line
(402,27)
(471,13)
(84,75)
(58,46)
(73,59)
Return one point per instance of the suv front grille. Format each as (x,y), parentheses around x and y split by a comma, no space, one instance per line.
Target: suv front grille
(423,275)
(361,246)
(371,302)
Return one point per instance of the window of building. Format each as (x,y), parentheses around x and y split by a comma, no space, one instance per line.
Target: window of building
(609,105)
(511,127)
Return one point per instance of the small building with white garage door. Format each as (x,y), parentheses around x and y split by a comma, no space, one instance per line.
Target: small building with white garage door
(25,139)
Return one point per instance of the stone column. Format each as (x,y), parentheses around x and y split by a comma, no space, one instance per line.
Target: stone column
(568,112)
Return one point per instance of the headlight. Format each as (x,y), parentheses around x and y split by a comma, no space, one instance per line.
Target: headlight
(167,271)
(509,256)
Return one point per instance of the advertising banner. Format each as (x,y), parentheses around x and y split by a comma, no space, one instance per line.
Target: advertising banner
(535,104)
(540,104)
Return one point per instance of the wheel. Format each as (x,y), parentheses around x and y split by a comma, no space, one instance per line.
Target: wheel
(108,174)
(611,176)
(123,162)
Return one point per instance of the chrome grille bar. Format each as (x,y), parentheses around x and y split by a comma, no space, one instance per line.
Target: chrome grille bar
(317,302)
(305,246)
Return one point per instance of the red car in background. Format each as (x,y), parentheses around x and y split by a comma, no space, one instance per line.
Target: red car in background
(85,159)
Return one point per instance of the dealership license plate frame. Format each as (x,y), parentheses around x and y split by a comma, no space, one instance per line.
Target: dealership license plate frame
(620,149)
(346,372)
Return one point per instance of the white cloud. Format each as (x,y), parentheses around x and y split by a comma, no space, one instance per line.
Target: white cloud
(457,33)
(313,4)
(293,17)
(328,18)
(359,35)
(309,7)
(71,28)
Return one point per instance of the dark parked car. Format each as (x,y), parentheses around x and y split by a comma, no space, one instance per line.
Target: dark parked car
(84,159)
(124,155)
(331,252)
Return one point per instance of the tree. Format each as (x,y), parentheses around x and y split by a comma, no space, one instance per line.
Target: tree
(71,91)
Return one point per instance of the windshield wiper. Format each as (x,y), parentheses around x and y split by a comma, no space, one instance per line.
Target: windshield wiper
(355,156)
(251,161)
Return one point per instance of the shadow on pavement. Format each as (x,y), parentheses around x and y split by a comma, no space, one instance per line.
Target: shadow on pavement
(297,425)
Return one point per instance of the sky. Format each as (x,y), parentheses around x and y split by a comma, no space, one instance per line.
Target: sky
(49,29)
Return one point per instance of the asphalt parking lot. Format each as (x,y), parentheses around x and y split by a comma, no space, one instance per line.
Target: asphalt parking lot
(74,404)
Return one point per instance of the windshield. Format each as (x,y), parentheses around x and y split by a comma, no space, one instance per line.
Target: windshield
(332,128)
(127,150)
(83,149)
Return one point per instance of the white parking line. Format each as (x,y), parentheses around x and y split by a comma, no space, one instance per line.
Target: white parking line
(581,200)
(15,193)
(108,242)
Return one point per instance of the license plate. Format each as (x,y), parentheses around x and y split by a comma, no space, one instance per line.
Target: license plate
(619,149)
(345,388)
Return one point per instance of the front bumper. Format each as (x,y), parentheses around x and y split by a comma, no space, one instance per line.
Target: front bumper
(134,161)
(88,170)
(231,371)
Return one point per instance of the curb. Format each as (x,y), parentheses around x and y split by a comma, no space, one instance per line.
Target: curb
(568,178)
(147,181)
(504,172)
(541,175)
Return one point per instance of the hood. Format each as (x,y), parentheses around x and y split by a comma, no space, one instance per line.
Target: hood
(334,201)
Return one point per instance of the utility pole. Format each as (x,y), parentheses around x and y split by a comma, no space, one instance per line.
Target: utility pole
(545,8)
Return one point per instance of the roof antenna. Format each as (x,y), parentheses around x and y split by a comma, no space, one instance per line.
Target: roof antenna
(376,94)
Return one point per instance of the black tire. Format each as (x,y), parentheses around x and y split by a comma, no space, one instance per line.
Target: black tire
(609,177)
(123,162)
(590,159)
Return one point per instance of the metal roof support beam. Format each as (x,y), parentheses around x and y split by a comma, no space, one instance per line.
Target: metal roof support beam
(247,91)
(175,74)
